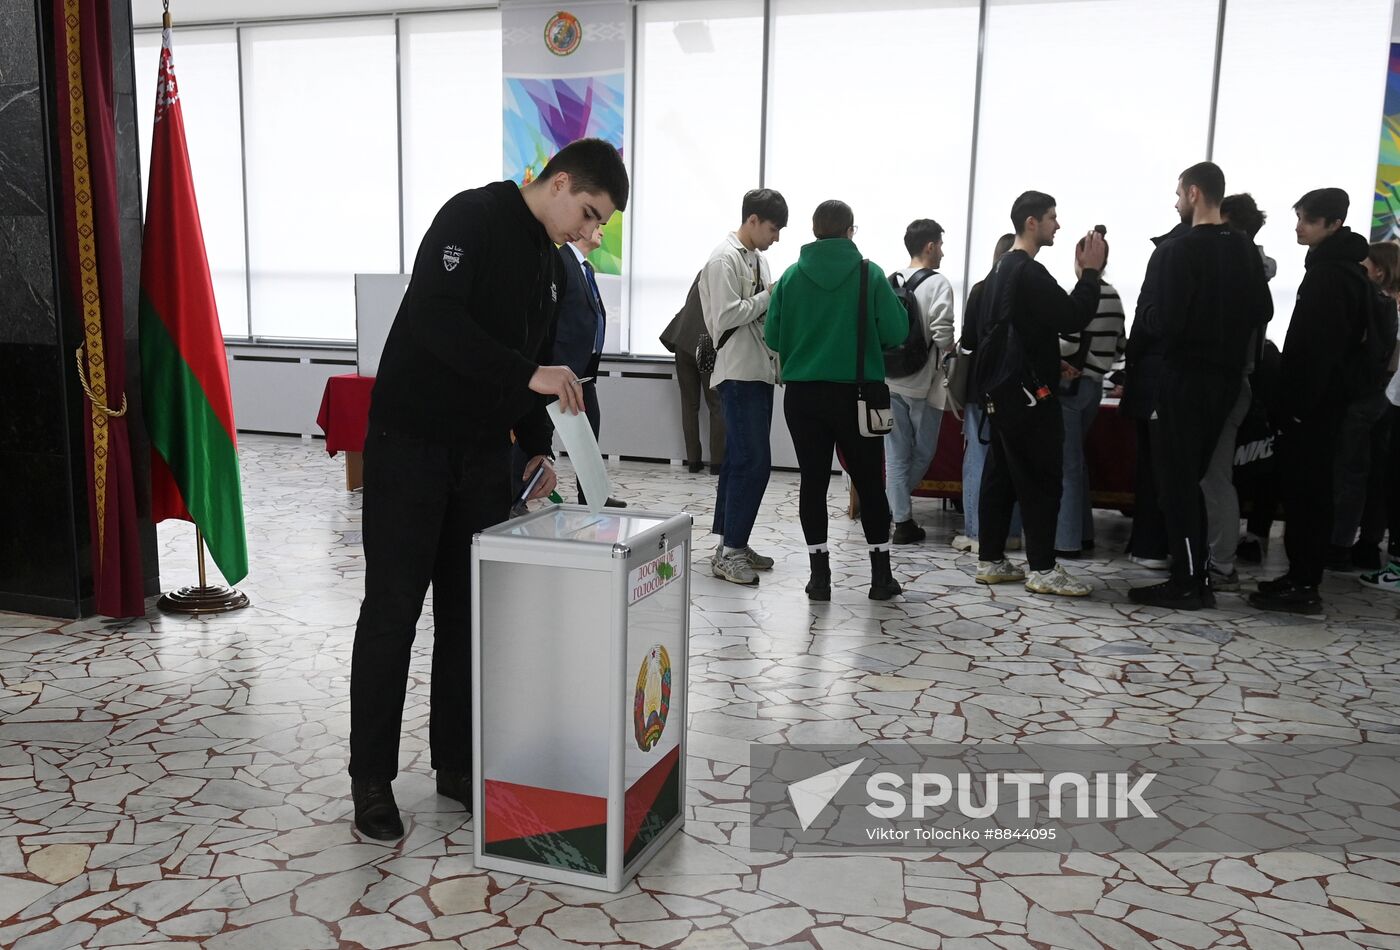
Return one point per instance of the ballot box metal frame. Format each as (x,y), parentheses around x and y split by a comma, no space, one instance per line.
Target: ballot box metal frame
(613,562)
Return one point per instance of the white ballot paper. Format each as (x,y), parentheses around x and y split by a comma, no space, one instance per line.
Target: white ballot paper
(583,451)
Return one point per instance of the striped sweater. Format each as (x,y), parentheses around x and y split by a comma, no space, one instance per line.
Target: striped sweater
(1101,343)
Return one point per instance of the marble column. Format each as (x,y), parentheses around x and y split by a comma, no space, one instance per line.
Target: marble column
(45,545)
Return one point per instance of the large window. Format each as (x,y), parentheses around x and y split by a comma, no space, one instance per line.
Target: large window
(206,69)
(872,103)
(450,66)
(323,176)
(1100,103)
(350,141)
(699,115)
(1300,107)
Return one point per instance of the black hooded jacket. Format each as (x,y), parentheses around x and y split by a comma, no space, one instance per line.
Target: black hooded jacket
(1329,319)
(1146,352)
(1212,300)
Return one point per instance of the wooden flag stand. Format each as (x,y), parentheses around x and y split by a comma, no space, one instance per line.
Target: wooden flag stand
(203,599)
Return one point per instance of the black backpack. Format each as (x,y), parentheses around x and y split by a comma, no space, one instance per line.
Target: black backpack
(1002,368)
(907,358)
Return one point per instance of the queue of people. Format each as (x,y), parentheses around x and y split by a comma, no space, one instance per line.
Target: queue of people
(1197,374)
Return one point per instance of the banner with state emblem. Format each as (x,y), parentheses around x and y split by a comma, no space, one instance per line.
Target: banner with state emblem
(565,78)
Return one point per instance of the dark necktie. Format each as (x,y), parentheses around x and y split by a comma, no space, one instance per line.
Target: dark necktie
(602,313)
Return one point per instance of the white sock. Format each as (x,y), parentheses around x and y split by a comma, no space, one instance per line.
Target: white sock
(728,551)
(817,548)
(880,547)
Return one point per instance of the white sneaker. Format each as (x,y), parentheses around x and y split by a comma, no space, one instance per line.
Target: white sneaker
(1387,578)
(962,542)
(1056,581)
(734,568)
(998,572)
(1151,563)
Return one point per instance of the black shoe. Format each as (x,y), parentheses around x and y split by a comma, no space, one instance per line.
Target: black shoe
(1279,585)
(1069,555)
(714,469)
(614,503)
(883,586)
(456,786)
(1170,595)
(376,812)
(1087,545)
(819,587)
(696,467)
(1339,559)
(1298,600)
(1250,551)
(1366,557)
(907,532)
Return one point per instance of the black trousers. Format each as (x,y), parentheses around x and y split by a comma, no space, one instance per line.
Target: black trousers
(1388,479)
(1192,406)
(1381,475)
(1025,463)
(694,384)
(423,502)
(1149,535)
(821,417)
(1306,451)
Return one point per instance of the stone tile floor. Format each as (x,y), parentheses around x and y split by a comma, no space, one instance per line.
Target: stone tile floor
(183,781)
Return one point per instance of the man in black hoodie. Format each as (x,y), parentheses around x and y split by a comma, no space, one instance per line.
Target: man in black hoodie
(1320,353)
(459,373)
(1211,301)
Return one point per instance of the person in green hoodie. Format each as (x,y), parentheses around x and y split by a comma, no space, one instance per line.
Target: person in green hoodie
(812,327)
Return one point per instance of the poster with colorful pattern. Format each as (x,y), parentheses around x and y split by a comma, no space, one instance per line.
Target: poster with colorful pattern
(565,79)
(1385,215)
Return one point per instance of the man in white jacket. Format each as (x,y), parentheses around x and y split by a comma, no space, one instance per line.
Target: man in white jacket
(918,399)
(734,290)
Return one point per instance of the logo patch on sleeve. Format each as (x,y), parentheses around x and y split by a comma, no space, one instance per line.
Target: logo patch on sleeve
(451,257)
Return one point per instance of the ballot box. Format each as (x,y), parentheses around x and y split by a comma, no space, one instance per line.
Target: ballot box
(579,635)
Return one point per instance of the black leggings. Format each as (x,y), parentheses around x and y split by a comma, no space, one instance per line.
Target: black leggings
(822,416)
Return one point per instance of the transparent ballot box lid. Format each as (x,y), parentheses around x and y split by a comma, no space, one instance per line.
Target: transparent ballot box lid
(578,524)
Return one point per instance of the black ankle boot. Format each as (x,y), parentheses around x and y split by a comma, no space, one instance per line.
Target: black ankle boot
(883,586)
(819,587)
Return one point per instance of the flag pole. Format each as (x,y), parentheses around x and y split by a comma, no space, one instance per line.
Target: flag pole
(206,598)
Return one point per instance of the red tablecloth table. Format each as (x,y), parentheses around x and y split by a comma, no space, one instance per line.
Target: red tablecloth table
(1111,451)
(344,418)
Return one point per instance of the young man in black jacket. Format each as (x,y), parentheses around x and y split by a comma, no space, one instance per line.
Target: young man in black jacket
(1145,355)
(1210,300)
(1321,353)
(1023,311)
(459,373)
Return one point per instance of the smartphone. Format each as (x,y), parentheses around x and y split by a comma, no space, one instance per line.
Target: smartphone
(530,485)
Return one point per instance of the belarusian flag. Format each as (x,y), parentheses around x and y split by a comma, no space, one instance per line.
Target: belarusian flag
(184,376)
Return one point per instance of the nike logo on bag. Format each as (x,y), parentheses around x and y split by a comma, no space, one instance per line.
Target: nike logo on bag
(1030,397)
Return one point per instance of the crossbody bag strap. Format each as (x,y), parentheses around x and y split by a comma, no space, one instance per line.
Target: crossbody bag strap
(860,322)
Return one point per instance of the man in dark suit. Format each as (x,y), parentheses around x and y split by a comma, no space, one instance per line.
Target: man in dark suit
(578,339)
(681,337)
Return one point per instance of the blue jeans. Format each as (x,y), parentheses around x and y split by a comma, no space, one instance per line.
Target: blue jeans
(1076,522)
(974,458)
(748,460)
(909,449)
